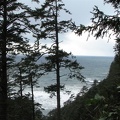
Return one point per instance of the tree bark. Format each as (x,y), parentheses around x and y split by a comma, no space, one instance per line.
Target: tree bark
(58,66)
(3,89)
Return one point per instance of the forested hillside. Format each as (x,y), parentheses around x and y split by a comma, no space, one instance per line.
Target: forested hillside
(101,102)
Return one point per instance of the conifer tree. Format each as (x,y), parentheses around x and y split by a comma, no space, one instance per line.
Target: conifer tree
(56,59)
(33,71)
(26,74)
(14,24)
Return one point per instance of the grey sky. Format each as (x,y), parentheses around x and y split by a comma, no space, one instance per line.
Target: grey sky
(80,10)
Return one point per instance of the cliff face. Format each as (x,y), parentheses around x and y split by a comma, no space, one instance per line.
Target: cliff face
(101,102)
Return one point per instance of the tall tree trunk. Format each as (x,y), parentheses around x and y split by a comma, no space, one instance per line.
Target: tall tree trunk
(58,66)
(3,99)
(33,107)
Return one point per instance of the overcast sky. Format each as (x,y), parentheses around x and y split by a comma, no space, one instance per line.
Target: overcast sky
(80,10)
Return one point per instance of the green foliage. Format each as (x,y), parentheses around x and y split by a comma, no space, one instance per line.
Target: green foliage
(53,88)
(47,14)
(23,110)
(103,24)
(15,24)
(57,59)
(18,24)
(67,61)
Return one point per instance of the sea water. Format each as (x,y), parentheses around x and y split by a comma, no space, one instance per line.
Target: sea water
(95,68)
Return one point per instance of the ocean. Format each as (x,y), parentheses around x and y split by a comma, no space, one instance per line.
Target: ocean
(95,68)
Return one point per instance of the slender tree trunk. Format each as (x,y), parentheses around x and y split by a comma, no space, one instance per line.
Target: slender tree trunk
(3,99)
(21,89)
(21,94)
(33,107)
(58,66)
